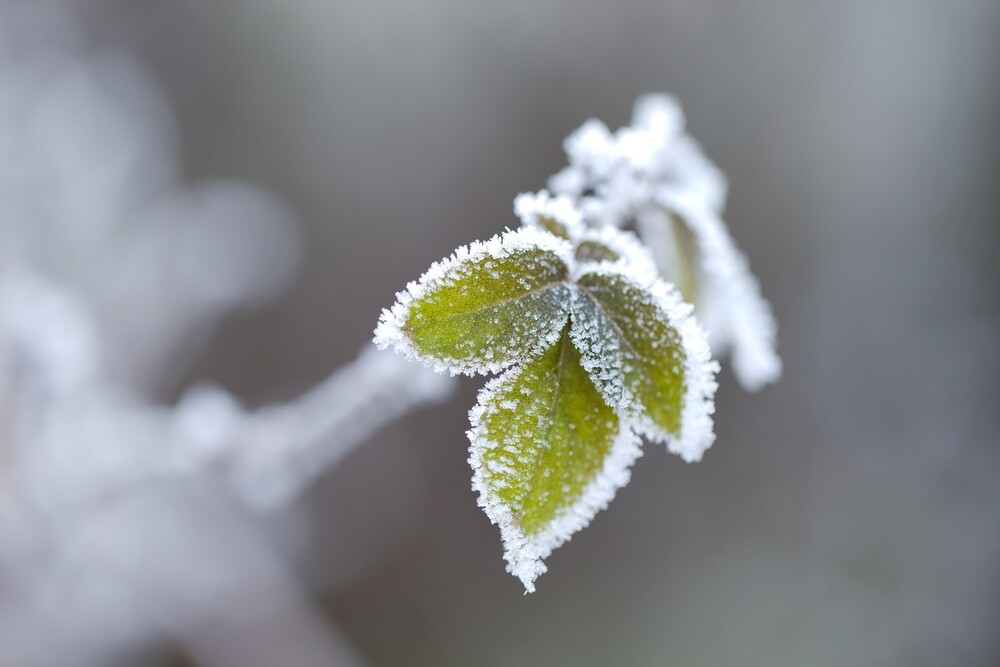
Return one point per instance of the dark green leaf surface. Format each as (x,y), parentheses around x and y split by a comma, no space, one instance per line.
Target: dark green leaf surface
(631,350)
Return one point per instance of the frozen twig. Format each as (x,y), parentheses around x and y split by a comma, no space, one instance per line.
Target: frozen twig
(270,455)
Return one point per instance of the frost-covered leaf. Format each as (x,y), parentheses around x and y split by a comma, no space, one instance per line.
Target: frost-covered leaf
(560,216)
(647,355)
(548,453)
(654,175)
(595,251)
(486,307)
(603,245)
(672,245)
(729,300)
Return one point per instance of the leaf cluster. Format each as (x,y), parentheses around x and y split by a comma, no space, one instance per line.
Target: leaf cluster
(593,350)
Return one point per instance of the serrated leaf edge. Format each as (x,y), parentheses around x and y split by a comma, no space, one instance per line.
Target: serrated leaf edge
(696,432)
(524,554)
(390,331)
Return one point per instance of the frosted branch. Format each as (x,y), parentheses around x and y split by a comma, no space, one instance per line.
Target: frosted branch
(269,456)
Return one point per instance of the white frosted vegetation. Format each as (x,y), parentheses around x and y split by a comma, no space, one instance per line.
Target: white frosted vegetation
(522,462)
(541,306)
(552,438)
(642,175)
(729,299)
(636,352)
(664,324)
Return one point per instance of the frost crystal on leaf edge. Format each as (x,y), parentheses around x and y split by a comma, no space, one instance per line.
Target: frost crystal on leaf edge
(524,555)
(696,431)
(656,163)
(390,330)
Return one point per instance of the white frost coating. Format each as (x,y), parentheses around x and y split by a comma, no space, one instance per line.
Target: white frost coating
(631,251)
(390,330)
(730,303)
(612,174)
(696,432)
(530,207)
(639,171)
(600,352)
(524,554)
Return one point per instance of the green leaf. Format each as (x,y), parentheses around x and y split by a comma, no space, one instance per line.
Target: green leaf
(488,306)
(553,226)
(548,453)
(673,247)
(648,357)
(593,251)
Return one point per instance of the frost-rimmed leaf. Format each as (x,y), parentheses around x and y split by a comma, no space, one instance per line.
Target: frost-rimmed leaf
(612,175)
(648,356)
(560,216)
(729,302)
(547,454)
(640,173)
(672,246)
(490,305)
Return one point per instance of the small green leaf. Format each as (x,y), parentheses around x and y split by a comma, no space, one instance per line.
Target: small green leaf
(592,251)
(620,325)
(553,226)
(488,306)
(686,253)
(548,453)
(674,249)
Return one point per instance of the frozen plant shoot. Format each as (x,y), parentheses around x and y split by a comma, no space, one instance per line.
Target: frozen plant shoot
(591,330)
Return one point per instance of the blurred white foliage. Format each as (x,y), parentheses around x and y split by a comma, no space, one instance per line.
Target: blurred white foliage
(650,175)
(122,520)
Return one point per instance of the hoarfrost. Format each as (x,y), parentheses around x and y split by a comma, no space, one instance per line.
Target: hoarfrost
(650,358)
(599,335)
(641,174)
(525,339)
(525,553)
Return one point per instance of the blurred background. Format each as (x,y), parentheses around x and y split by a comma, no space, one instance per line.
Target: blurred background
(849,515)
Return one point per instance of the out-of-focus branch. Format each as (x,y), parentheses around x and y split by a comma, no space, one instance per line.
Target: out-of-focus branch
(270,455)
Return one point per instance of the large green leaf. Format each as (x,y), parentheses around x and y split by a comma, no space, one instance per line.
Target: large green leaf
(548,453)
(633,350)
(488,306)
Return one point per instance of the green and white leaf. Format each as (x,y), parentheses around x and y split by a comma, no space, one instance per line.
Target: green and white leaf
(488,306)
(729,298)
(672,246)
(547,454)
(645,352)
